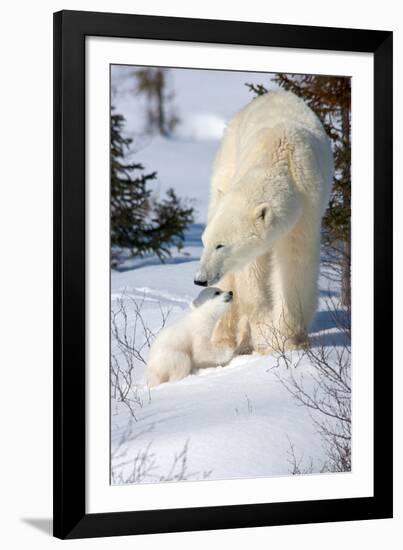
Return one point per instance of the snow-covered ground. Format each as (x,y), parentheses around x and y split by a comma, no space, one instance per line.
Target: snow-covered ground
(227,422)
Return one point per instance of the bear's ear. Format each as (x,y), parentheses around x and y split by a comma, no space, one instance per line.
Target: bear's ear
(263,213)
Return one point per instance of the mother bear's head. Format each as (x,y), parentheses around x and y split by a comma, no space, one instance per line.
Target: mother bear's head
(236,234)
(261,207)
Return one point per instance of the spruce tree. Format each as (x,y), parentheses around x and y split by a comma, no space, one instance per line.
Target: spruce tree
(330,98)
(139,223)
(152,82)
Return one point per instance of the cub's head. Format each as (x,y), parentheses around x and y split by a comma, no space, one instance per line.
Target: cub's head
(236,235)
(213,300)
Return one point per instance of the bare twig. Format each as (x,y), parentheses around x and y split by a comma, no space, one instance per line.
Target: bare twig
(324,389)
(131,338)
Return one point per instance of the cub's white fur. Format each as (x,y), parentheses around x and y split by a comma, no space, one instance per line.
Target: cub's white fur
(270,187)
(186,345)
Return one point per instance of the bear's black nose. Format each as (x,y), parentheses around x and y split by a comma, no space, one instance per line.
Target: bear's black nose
(200,283)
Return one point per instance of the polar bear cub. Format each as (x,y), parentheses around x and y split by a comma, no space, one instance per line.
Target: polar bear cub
(186,345)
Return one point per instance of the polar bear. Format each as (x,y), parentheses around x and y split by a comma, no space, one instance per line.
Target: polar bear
(186,345)
(270,187)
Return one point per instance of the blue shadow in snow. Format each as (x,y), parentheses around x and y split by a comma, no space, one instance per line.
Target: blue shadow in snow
(193,234)
(153,260)
(329,293)
(328,321)
(330,339)
(192,238)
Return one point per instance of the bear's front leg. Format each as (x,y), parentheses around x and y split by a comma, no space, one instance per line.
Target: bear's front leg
(274,332)
(294,284)
(224,335)
(243,337)
(268,339)
(208,354)
(222,355)
(261,336)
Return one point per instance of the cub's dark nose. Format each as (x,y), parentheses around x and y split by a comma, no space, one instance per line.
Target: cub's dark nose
(199,282)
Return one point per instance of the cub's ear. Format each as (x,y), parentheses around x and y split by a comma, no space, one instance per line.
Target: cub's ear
(263,213)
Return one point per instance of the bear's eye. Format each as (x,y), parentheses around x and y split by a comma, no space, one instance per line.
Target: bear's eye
(216,293)
(219,246)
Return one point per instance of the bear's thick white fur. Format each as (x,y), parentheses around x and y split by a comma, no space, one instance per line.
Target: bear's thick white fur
(270,187)
(186,345)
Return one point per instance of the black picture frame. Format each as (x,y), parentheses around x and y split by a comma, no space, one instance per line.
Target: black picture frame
(70,517)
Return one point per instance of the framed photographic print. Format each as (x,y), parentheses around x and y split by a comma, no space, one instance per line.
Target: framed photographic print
(223,274)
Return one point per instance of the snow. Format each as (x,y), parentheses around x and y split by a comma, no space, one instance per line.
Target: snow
(236,421)
(201,126)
